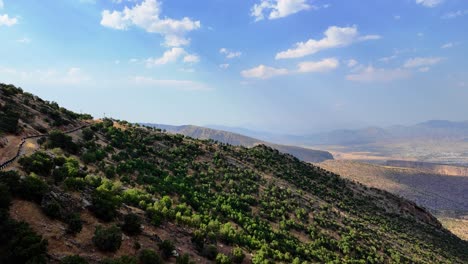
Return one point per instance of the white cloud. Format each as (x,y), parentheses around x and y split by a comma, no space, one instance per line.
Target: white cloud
(72,76)
(224,66)
(263,72)
(5,20)
(191,58)
(351,63)
(274,9)
(429,3)
(371,74)
(455,14)
(448,45)
(335,37)
(422,62)
(324,65)
(147,16)
(24,40)
(230,54)
(184,85)
(171,56)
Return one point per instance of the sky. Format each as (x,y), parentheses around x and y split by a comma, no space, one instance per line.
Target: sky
(282,66)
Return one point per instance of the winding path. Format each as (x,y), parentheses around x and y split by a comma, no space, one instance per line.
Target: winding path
(23,140)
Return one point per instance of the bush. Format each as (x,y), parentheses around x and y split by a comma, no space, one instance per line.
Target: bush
(132,224)
(11,179)
(58,139)
(148,256)
(237,255)
(105,205)
(222,259)
(184,259)
(39,162)
(166,248)
(52,209)
(20,244)
(121,260)
(75,259)
(5,196)
(210,252)
(33,188)
(107,239)
(75,224)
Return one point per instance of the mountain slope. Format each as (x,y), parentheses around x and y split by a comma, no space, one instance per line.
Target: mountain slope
(235,139)
(199,200)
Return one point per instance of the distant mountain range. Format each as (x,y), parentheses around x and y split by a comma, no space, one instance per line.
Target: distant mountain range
(433,129)
(305,154)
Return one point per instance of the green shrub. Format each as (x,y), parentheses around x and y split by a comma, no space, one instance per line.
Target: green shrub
(107,239)
(166,248)
(104,205)
(75,224)
(5,196)
(237,255)
(121,260)
(222,259)
(74,259)
(39,162)
(52,210)
(132,224)
(33,188)
(148,256)
(210,252)
(58,139)
(20,244)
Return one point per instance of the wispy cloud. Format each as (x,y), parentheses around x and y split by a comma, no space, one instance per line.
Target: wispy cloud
(335,37)
(371,74)
(455,14)
(263,72)
(229,53)
(183,85)
(173,55)
(422,62)
(324,65)
(429,3)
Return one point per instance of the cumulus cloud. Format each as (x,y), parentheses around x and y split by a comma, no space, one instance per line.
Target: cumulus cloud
(147,15)
(324,65)
(274,9)
(173,55)
(263,72)
(429,3)
(422,62)
(184,85)
(335,37)
(5,20)
(230,54)
(371,74)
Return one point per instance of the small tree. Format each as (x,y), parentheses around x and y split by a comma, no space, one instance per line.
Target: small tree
(107,239)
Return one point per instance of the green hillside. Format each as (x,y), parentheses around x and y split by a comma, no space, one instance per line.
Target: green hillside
(115,192)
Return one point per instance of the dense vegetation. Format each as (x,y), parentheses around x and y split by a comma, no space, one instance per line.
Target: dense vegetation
(250,200)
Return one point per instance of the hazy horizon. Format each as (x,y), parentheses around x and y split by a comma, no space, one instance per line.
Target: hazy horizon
(285,67)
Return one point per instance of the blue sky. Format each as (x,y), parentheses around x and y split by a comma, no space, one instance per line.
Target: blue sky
(287,66)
